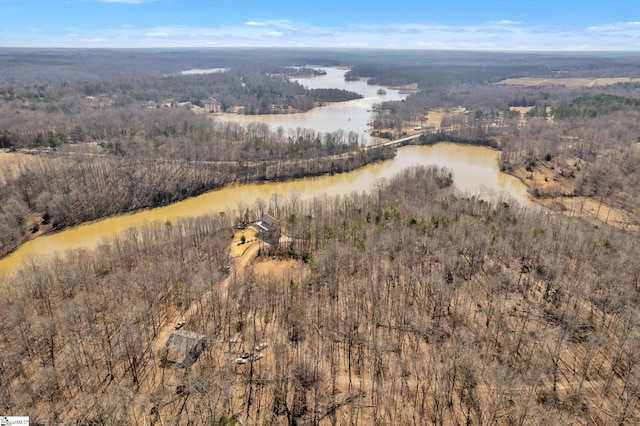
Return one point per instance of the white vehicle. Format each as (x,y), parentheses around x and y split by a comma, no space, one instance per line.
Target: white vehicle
(260,347)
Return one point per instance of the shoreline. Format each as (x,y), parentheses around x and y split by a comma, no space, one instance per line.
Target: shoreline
(556,205)
(589,209)
(602,214)
(344,165)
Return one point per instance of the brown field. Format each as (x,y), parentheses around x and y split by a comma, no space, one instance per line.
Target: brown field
(521,110)
(10,163)
(434,117)
(281,269)
(568,82)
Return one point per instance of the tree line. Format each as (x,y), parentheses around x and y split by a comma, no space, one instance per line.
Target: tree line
(77,184)
(583,140)
(49,114)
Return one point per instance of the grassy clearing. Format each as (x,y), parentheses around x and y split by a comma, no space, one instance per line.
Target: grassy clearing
(238,247)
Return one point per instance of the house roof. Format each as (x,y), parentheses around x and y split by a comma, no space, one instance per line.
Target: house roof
(184,347)
(267,222)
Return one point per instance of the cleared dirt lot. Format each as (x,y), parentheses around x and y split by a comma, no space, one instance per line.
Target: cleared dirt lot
(11,162)
(568,82)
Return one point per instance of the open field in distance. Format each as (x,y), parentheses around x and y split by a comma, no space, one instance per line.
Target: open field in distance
(568,82)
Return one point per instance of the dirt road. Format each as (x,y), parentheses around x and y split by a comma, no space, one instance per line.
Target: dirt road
(248,255)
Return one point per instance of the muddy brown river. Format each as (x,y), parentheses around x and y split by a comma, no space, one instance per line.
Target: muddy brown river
(475,172)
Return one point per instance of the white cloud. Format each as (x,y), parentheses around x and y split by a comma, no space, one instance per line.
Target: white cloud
(505,22)
(604,27)
(619,30)
(285,33)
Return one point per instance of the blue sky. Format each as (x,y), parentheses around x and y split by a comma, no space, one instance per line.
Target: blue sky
(446,24)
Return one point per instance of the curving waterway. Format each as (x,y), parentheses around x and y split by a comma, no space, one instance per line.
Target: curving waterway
(475,173)
(350,116)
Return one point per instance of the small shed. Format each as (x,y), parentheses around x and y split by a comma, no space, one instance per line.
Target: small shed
(184,348)
(269,229)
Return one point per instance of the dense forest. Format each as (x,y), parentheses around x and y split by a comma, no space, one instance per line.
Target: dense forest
(409,303)
(566,143)
(415,306)
(432,70)
(49,114)
(75,184)
(29,66)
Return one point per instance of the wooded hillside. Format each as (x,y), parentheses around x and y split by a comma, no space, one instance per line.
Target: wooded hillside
(410,305)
